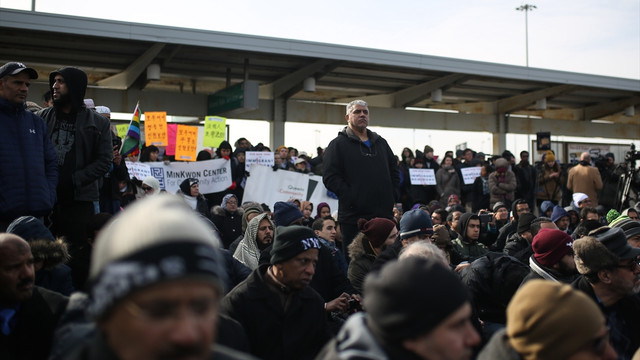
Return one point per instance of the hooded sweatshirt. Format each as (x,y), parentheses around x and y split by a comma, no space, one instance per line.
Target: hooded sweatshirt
(248,252)
(465,246)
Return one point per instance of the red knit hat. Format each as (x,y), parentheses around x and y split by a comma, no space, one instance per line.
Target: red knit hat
(377,230)
(550,245)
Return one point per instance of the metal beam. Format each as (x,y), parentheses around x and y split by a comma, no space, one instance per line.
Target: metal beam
(521,101)
(414,94)
(292,83)
(126,78)
(609,108)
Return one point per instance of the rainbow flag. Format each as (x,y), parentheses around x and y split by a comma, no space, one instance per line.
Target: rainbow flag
(131,142)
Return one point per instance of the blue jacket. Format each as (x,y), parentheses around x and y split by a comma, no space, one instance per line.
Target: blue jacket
(28,169)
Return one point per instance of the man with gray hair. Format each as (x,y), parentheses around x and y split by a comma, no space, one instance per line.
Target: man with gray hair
(156,283)
(360,168)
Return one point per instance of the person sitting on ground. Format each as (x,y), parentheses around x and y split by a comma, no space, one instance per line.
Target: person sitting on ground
(552,257)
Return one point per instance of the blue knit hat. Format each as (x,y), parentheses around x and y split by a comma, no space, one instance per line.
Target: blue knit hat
(284,213)
(415,222)
(545,206)
(558,213)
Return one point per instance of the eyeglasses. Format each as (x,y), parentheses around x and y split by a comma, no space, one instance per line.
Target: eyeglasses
(631,266)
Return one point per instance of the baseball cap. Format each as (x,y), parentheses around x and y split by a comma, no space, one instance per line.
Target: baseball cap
(14,68)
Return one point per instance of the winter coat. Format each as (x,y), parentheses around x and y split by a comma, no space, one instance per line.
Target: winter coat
(502,190)
(519,248)
(545,273)
(468,248)
(584,178)
(447,183)
(365,179)
(229,224)
(362,258)
(247,251)
(550,188)
(492,280)
(28,167)
(299,332)
(37,319)
(93,149)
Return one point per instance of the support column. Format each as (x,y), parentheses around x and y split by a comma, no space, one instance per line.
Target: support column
(500,138)
(277,126)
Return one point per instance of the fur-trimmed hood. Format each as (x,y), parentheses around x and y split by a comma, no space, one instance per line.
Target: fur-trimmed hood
(51,253)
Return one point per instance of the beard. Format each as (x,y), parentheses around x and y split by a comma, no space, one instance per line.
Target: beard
(565,269)
(63,100)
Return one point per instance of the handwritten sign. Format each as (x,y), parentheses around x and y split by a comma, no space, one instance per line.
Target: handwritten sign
(138,170)
(186,143)
(422,176)
(258,157)
(469,174)
(172,130)
(155,128)
(214,131)
(122,130)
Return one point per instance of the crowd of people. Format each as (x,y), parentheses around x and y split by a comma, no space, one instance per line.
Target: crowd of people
(530,261)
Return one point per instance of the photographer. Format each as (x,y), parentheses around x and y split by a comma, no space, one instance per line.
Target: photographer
(491,222)
(610,174)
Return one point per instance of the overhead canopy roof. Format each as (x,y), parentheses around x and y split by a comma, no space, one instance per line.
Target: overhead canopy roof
(115,56)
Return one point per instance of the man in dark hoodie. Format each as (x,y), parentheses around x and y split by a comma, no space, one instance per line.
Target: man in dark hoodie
(360,168)
(519,207)
(468,233)
(82,141)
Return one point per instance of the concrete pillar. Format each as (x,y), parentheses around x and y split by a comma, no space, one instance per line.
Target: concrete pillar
(500,138)
(277,126)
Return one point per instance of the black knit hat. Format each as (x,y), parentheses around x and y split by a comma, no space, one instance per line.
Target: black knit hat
(399,309)
(185,185)
(291,241)
(284,213)
(415,222)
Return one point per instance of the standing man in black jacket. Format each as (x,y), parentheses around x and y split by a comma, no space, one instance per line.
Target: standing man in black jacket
(361,169)
(82,141)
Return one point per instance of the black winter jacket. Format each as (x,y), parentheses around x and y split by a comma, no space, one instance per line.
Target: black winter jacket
(365,178)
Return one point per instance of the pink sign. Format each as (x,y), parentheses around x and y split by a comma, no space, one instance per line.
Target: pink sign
(172,130)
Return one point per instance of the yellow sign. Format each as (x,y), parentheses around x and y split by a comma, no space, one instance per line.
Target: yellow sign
(122,130)
(186,143)
(214,131)
(155,128)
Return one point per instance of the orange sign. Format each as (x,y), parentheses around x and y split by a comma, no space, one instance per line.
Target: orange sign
(155,128)
(186,143)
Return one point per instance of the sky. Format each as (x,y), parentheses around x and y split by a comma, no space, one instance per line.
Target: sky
(599,37)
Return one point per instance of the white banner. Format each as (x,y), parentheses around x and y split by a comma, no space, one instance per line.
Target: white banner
(267,186)
(469,174)
(422,176)
(138,170)
(258,157)
(213,175)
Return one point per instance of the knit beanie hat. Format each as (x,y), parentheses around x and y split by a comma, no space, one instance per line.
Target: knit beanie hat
(292,240)
(502,164)
(612,215)
(185,185)
(629,226)
(545,206)
(550,245)
(549,156)
(524,222)
(558,213)
(499,205)
(578,198)
(441,236)
(415,222)
(548,320)
(136,250)
(377,230)
(284,213)
(397,309)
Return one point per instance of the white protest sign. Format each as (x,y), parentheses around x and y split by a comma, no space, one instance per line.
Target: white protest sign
(138,170)
(263,158)
(422,176)
(469,174)
(213,175)
(267,186)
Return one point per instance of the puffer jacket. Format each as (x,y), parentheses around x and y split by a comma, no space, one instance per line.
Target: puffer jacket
(28,168)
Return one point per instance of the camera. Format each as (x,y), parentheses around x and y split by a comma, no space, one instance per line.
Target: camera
(485,218)
(354,306)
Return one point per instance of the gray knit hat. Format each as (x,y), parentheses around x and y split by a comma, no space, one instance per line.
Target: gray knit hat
(136,250)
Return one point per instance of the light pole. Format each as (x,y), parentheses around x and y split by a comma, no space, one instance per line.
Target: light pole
(526,8)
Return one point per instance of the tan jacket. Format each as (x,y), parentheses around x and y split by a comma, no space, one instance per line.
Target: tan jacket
(587,180)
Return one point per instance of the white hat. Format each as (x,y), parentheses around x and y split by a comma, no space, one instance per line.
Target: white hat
(578,198)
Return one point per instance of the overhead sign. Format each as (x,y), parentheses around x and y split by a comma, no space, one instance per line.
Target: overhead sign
(239,97)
